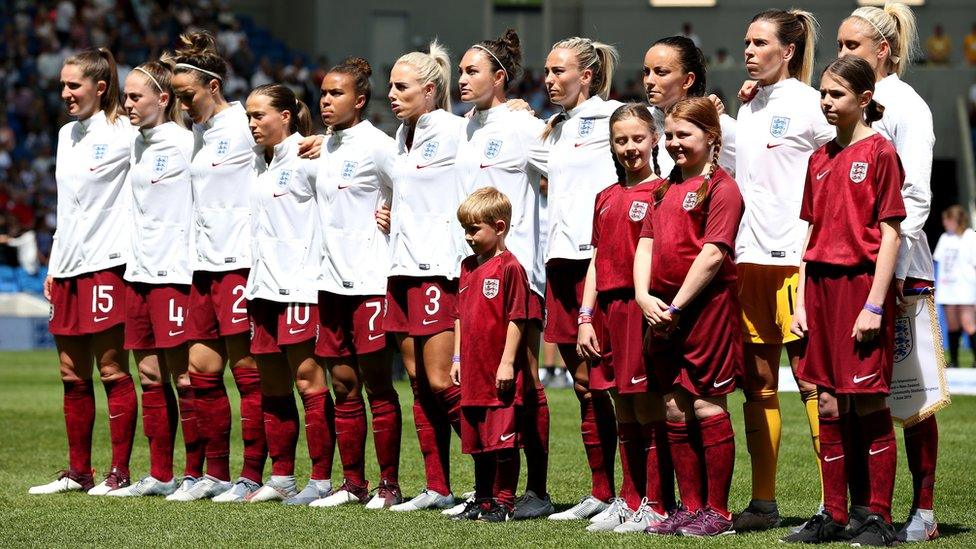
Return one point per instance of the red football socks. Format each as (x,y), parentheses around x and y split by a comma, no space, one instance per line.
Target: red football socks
(159,418)
(387,430)
(856,451)
(833,463)
(633,463)
(688,465)
(192,439)
(79,421)
(248,381)
(450,401)
(882,459)
(350,427)
(718,441)
(506,477)
(123,407)
(425,417)
(281,431)
(602,483)
(535,437)
(213,422)
(922,448)
(320,432)
(659,488)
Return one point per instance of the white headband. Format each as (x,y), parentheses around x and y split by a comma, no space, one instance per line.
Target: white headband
(894,58)
(480,47)
(196,68)
(151,77)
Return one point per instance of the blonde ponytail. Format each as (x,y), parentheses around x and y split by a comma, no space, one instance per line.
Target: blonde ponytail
(433,67)
(598,57)
(810,27)
(895,25)
(797,27)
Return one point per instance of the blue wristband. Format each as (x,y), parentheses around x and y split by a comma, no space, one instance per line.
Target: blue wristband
(672,308)
(588,311)
(873,308)
(456,358)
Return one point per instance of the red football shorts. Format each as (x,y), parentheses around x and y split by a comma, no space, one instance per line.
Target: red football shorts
(623,340)
(218,307)
(350,325)
(155,315)
(420,306)
(87,303)
(487,429)
(275,324)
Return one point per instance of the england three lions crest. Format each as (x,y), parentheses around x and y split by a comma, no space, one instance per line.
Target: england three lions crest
(638,210)
(490,287)
(859,170)
(492,148)
(349,169)
(159,164)
(904,338)
(586,127)
(690,201)
(778,126)
(430,149)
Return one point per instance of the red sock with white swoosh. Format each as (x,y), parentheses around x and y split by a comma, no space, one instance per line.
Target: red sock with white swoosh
(213,421)
(192,439)
(350,426)
(633,463)
(879,436)
(659,487)
(320,432)
(248,381)
(387,432)
(281,430)
(159,417)
(123,410)
(833,464)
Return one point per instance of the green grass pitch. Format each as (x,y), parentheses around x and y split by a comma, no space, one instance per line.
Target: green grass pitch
(33,448)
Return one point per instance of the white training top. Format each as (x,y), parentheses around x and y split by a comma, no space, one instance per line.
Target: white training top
(355,177)
(726,155)
(956,255)
(162,206)
(93,196)
(496,153)
(776,132)
(425,237)
(222,171)
(907,123)
(285,235)
(580,165)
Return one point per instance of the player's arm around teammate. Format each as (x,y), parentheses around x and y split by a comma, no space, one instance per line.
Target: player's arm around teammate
(84,285)
(579,72)
(776,132)
(684,280)
(618,216)
(282,297)
(853,203)
(159,272)
(887,39)
(426,248)
(503,149)
(355,178)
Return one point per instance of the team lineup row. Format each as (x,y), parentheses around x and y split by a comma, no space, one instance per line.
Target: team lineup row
(667,278)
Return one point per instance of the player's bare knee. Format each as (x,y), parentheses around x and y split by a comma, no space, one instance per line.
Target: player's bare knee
(827,405)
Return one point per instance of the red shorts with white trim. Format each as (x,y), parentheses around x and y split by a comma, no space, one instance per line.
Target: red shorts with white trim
(88,303)
(275,324)
(704,355)
(623,339)
(218,307)
(420,306)
(833,298)
(350,325)
(155,315)
(487,429)
(564,293)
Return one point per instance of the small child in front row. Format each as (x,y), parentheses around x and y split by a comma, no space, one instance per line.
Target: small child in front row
(846,304)
(490,363)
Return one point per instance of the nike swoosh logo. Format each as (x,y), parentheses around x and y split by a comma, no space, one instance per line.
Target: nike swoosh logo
(422,166)
(116,415)
(821,175)
(772,145)
(427,322)
(154,181)
(293,331)
(344,187)
(858,379)
(173,334)
(636,380)
(462,289)
(603,210)
(93,169)
(483,166)
(578,145)
(100,318)
(279,195)
(718,384)
(873,453)
(215,164)
(835,458)
(649,448)
(237,320)
(506,437)
(375,337)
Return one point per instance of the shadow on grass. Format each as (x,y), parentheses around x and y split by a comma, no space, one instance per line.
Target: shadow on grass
(950,529)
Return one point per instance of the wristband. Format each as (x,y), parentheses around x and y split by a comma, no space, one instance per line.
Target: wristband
(586,311)
(584,319)
(456,358)
(672,308)
(873,308)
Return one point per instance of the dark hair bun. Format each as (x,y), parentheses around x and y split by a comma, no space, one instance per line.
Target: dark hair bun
(359,64)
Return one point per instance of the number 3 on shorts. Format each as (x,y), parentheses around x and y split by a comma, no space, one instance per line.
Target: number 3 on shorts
(433,293)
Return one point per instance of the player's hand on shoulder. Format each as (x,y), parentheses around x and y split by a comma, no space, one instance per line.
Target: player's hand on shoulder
(587,344)
(311,147)
(748,90)
(519,105)
(383,217)
(719,105)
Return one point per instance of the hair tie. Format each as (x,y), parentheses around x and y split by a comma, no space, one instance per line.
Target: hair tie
(151,77)
(493,56)
(196,68)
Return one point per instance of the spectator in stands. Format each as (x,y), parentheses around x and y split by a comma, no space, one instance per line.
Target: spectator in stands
(938,47)
(688,33)
(969,46)
(723,60)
